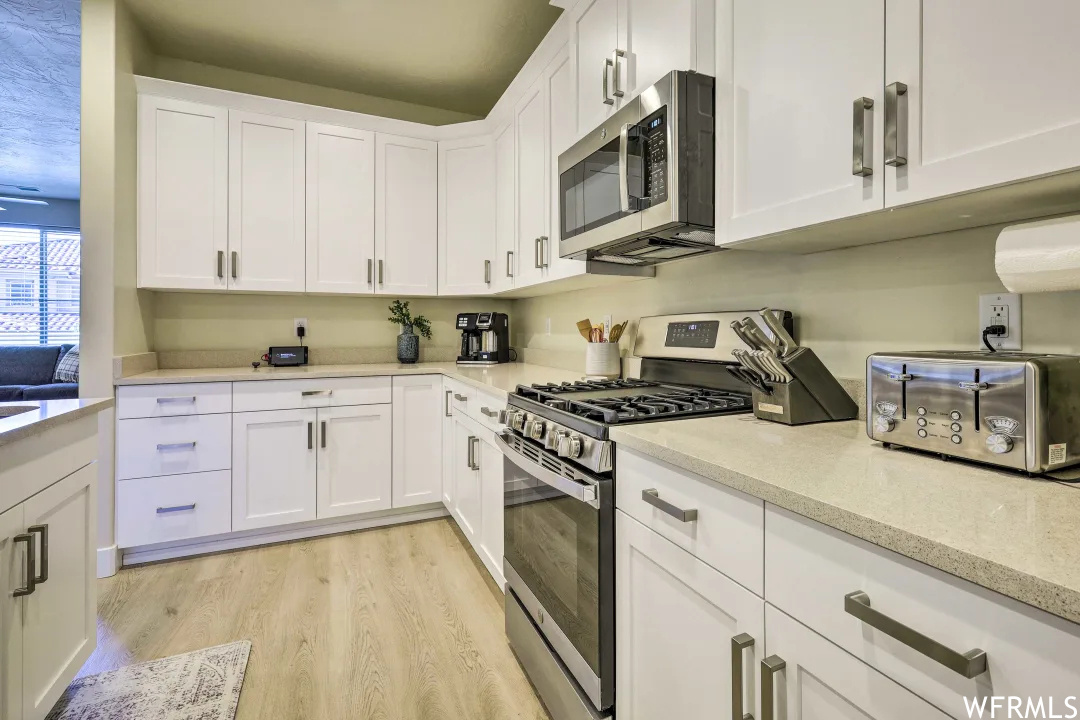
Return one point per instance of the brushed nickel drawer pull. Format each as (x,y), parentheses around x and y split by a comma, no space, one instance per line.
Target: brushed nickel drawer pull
(29,584)
(175,508)
(652,497)
(164,400)
(739,643)
(461,398)
(312,393)
(969,664)
(177,446)
(489,412)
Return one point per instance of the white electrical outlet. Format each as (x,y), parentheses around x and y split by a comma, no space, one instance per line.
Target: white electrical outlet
(1001,309)
(299,323)
(549,326)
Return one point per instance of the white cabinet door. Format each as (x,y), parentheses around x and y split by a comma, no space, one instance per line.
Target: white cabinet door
(594,31)
(468,505)
(506,255)
(406,216)
(466,216)
(992,92)
(183,194)
(340,210)
(798,70)
(273,476)
(418,441)
(658,37)
(449,442)
(530,122)
(675,620)
(561,119)
(490,460)
(60,617)
(12,577)
(354,460)
(819,681)
(266,203)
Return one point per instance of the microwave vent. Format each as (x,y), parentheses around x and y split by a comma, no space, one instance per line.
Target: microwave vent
(619,259)
(697,236)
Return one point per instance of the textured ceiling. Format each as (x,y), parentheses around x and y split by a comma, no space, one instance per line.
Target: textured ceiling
(452,54)
(39,97)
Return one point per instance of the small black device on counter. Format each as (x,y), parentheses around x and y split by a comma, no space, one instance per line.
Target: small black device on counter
(287,356)
(485,338)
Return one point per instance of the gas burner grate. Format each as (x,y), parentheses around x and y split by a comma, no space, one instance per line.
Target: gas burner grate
(653,402)
(586,386)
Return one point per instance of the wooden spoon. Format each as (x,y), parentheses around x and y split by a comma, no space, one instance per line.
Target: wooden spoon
(585,328)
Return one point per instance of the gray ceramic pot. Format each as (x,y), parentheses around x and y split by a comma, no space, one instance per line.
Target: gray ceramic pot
(408,346)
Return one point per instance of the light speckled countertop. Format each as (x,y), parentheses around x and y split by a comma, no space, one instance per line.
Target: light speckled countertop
(1000,530)
(43,415)
(501,378)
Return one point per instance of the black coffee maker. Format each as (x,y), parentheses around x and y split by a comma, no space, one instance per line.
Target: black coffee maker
(485,338)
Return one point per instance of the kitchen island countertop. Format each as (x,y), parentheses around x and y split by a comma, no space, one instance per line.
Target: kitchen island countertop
(44,415)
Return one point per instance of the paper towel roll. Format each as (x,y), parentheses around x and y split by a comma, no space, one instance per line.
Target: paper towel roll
(1041,256)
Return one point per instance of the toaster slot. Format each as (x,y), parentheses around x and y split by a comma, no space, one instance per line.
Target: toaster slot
(903,393)
(978,409)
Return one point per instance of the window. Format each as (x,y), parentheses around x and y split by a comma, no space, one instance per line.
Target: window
(39,285)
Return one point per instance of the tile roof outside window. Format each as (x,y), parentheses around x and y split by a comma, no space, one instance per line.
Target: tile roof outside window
(31,292)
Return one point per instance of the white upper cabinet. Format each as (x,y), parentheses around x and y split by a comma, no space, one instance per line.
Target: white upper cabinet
(530,122)
(594,33)
(266,203)
(992,93)
(506,254)
(183,194)
(658,37)
(406,216)
(561,118)
(807,93)
(466,216)
(340,209)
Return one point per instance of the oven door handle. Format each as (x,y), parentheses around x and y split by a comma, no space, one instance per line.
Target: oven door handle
(583,493)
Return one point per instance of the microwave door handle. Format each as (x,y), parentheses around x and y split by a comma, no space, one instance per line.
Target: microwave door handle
(624,168)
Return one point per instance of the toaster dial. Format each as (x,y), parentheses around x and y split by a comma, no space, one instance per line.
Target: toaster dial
(884,424)
(999,444)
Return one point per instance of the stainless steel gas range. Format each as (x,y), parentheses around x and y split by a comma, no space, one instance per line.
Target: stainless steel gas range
(559,499)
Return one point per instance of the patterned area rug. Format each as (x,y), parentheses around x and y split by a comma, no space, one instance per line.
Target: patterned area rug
(200,685)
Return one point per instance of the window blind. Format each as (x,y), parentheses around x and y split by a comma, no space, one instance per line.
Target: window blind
(39,285)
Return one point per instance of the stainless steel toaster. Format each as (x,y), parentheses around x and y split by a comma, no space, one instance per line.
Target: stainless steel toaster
(1015,410)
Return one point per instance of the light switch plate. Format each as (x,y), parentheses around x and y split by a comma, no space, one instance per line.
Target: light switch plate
(1001,309)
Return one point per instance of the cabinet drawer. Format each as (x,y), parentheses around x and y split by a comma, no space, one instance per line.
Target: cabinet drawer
(148,401)
(460,396)
(484,409)
(258,395)
(809,569)
(178,507)
(728,533)
(148,447)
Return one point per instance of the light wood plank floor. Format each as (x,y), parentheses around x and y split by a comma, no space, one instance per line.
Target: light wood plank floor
(394,623)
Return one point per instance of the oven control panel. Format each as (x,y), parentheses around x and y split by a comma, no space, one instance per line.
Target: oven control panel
(692,334)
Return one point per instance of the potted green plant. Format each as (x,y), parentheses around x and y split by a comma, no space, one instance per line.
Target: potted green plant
(408,344)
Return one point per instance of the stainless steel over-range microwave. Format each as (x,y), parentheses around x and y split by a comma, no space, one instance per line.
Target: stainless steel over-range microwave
(640,189)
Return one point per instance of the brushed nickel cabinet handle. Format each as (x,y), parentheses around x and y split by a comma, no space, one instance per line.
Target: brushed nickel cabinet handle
(474,445)
(174,508)
(652,497)
(43,531)
(489,412)
(310,393)
(176,446)
(235,263)
(370,270)
(310,429)
(510,263)
(487,271)
(739,643)
(896,124)
(769,667)
(165,400)
(615,55)
(380,272)
(543,251)
(608,100)
(969,664)
(461,398)
(861,159)
(29,584)
(469,452)
(221,264)
(322,444)
(536,254)
(448,413)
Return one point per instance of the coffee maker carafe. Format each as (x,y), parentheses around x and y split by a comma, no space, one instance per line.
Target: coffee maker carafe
(485,338)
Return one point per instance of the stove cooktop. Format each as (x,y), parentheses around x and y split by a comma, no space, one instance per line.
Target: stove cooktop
(625,401)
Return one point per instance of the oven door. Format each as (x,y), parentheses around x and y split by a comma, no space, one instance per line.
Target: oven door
(559,559)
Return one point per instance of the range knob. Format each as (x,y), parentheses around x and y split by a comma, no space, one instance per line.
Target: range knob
(884,424)
(569,446)
(517,420)
(999,444)
(534,429)
(504,416)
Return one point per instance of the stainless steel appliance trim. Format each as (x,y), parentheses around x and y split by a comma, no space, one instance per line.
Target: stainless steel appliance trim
(739,643)
(624,168)
(579,669)
(221,264)
(1034,435)
(578,488)
(769,667)
(896,131)
(620,229)
(651,338)
(861,160)
(969,664)
(608,100)
(176,446)
(561,696)
(652,497)
(29,573)
(163,400)
(175,508)
(616,91)
(234,263)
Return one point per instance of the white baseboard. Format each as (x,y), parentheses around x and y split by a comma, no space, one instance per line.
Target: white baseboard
(108,561)
(252,538)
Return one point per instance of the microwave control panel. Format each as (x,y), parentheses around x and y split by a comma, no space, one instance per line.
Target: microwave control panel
(654,150)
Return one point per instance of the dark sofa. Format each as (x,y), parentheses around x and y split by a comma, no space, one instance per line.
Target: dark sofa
(27,371)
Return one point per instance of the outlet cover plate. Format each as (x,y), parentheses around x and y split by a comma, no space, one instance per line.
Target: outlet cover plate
(298,323)
(1004,309)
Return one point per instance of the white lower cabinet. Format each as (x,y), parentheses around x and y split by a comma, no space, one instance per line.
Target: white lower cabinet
(449,442)
(490,460)
(354,460)
(177,507)
(676,621)
(12,576)
(274,460)
(468,507)
(418,439)
(806,677)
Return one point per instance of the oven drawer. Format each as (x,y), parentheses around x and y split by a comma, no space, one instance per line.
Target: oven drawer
(150,401)
(809,569)
(149,447)
(728,532)
(178,507)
